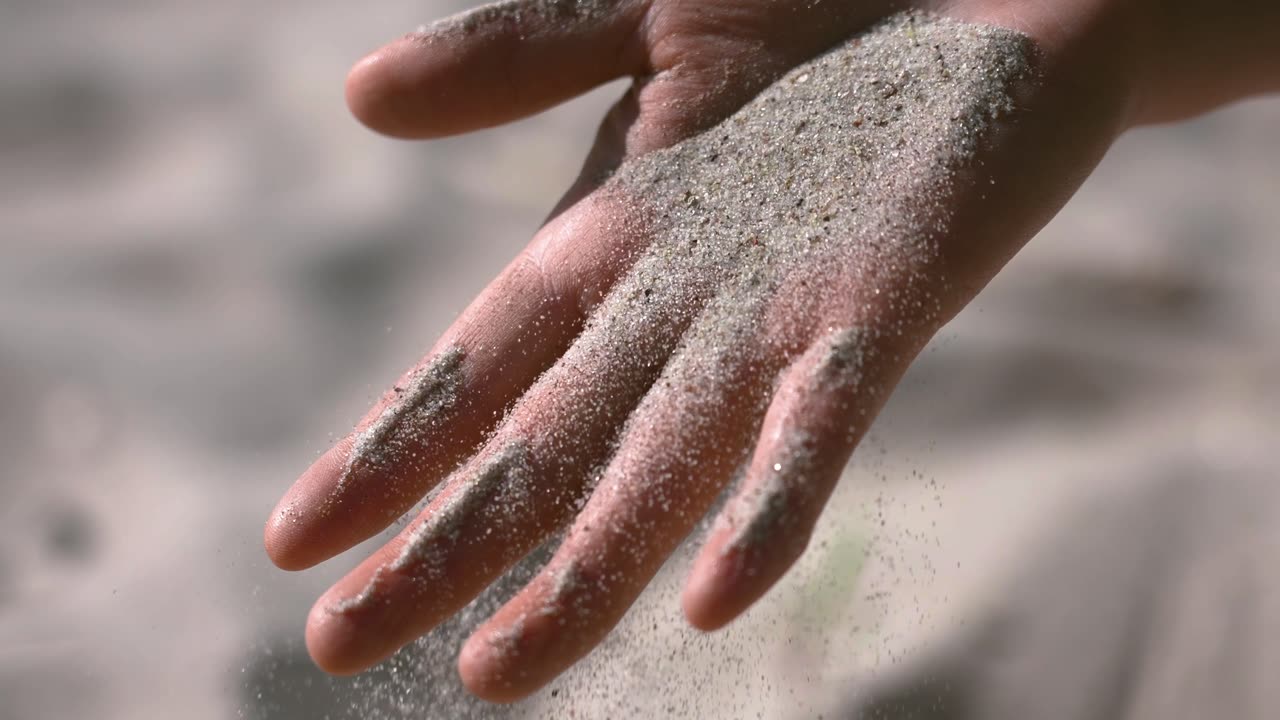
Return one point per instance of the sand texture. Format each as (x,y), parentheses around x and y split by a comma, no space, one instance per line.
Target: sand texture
(210,273)
(845,166)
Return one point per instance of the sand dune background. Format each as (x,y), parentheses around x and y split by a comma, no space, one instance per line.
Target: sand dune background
(208,271)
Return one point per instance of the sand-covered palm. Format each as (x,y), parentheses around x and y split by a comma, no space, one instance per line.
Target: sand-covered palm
(788,203)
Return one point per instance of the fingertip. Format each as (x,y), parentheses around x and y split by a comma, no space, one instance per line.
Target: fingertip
(482,673)
(326,641)
(372,91)
(293,528)
(320,515)
(336,643)
(412,89)
(278,548)
(703,598)
(701,612)
(524,646)
(280,538)
(727,578)
(357,90)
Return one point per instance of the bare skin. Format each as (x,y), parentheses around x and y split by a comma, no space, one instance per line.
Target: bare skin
(1105,65)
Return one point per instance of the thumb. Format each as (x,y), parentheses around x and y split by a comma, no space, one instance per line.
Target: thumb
(495,64)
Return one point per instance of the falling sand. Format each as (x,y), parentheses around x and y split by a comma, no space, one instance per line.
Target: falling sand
(840,176)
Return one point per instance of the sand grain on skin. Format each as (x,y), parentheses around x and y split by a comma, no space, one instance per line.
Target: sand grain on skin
(841,173)
(838,178)
(390,444)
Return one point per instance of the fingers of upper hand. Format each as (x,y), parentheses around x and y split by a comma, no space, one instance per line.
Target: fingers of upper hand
(520,487)
(442,80)
(438,413)
(679,447)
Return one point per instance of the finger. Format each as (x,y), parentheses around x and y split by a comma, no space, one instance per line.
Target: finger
(826,401)
(523,485)
(495,64)
(490,513)
(439,412)
(682,444)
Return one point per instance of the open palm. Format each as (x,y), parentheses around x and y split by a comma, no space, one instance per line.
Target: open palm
(732,284)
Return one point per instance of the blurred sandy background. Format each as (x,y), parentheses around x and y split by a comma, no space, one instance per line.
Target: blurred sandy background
(208,271)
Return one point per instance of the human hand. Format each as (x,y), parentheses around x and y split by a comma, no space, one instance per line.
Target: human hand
(680,316)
